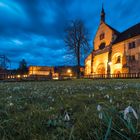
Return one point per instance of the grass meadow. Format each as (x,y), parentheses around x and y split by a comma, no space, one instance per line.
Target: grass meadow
(70,110)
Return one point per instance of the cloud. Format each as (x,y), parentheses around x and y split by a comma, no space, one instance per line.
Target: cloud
(34,29)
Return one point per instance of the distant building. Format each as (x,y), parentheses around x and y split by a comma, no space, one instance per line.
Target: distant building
(59,72)
(114,52)
(68,71)
(41,70)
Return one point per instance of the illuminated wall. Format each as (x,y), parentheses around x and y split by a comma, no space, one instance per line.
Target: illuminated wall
(119,59)
(122,49)
(88,65)
(100,62)
(103,28)
(110,58)
(40,70)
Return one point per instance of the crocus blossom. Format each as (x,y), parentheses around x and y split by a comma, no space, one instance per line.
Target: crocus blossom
(128,110)
(99,107)
(67,117)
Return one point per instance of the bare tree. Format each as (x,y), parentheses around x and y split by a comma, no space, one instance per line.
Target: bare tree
(76,39)
(4,62)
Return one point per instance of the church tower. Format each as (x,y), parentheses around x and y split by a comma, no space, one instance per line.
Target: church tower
(102,15)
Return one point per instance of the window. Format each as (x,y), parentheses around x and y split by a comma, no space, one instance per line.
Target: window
(132,58)
(131,45)
(118,60)
(102,36)
(102,46)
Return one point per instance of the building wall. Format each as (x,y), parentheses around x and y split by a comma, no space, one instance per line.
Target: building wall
(88,65)
(133,66)
(100,63)
(40,70)
(116,58)
(103,28)
(123,50)
(117,51)
(100,60)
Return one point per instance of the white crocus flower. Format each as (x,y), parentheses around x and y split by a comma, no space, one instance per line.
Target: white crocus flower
(10,97)
(106,96)
(99,107)
(100,115)
(11,104)
(110,100)
(67,117)
(89,96)
(128,110)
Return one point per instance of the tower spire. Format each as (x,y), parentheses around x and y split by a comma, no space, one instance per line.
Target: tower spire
(102,14)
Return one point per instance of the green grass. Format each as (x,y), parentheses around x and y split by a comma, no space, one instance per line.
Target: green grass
(36,110)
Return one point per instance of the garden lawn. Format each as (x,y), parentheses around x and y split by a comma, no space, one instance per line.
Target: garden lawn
(70,110)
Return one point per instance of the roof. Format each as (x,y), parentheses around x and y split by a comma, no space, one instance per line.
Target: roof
(129,33)
(117,32)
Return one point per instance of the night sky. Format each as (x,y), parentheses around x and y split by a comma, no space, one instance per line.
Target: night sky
(34,29)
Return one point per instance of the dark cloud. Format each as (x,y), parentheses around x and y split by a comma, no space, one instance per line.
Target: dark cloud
(34,29)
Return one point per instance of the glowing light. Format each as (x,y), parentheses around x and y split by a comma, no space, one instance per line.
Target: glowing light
(13,76)
(55,78)
(18,76)
(109,63)
(69,71)
(25,75)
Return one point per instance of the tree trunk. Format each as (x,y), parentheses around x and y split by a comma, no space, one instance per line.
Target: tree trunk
(78,62)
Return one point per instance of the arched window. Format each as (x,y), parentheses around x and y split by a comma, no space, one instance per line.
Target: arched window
(118,59)
(102,46)
(102,36)
(100,69)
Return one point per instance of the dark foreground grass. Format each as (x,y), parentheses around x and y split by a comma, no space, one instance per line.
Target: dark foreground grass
(67,110)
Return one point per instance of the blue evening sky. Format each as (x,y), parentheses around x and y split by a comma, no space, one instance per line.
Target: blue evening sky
(34,29)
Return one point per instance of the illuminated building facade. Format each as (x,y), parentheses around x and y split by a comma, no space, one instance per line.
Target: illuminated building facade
(59,72)
(41,70)
(114,52)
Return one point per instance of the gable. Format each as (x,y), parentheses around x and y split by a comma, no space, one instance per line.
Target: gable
(103,36)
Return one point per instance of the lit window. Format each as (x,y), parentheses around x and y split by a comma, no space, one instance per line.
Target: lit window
(102,36)
(118,60)
(131,45)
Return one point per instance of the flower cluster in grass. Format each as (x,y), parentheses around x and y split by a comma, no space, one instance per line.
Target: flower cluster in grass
(70,110)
